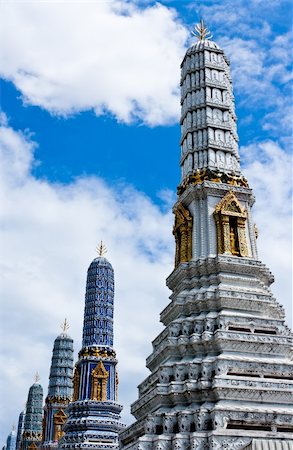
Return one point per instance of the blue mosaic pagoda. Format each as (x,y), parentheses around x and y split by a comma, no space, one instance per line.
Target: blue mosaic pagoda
(32,428)
(94,415)
(60,389)
(11,440)
(20,427)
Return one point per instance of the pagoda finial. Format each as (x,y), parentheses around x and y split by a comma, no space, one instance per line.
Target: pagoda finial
(201,31)
(101,249)
(65,326)
(37,377)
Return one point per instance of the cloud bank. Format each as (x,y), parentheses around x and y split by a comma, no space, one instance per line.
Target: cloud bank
(112,57)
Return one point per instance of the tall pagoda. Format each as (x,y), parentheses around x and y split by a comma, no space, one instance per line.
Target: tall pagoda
(32,427)
(60,389)
(221,370)
(11,440)
(94,415)
(20,426)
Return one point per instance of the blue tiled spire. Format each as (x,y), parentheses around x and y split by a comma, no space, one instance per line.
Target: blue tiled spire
(99,298)
(20,429)
(95,377)
(32,429)
(60,389)
(61,373)
(11,440)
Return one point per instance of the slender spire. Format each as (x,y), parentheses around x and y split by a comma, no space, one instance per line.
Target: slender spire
(99,302)
(101,249)
(37,377)
(201,31)
(65,326)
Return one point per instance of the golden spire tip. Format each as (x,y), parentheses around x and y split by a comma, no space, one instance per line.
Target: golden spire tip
(65,326)
(201,31)
(37,377)
(101,249)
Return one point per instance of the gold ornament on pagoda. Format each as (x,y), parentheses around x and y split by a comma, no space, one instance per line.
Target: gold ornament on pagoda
(59,421)
(201,32)
(76,380)
(99,382)
(230,220)
(183,234)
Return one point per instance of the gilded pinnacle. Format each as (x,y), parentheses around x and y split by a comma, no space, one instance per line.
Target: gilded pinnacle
(37,377)
(65,325)
(101,249)
(201,31)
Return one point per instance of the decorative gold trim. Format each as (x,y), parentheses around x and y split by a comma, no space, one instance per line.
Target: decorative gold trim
(32,446)
(57,399)
(230,219)
(183,234)
(116,384)
(97,352)
(59,421)
(99,382)
(201,175)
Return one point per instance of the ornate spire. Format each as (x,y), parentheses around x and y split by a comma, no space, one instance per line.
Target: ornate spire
(201,31)
(209,139)
(32,429)
(101,249)
(99,298)
(60,388)
(95,375)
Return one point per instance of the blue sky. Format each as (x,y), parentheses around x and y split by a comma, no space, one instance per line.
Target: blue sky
(89,146)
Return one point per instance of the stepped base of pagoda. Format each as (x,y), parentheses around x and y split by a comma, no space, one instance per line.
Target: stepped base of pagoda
(92,425)
(234,440)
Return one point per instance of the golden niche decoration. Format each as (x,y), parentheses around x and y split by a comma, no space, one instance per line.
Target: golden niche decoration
(76,379)
(32,446)
(183,234)
(230,220)
(59,420)
(99,382)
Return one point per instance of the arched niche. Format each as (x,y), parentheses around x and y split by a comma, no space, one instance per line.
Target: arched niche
(99,382)
(230,220)
(59,421)
(183,234)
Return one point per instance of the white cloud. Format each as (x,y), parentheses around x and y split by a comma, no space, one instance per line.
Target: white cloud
(268,168)
(48,234)
(112,57)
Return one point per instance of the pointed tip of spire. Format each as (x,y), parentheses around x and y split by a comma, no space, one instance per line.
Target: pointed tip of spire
(201,32)
(65,326)
(101,249)
(37,377)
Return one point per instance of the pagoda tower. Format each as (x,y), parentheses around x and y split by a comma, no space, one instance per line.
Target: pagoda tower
(221,370)
(20,426)
(94,415)
(32,428)
(11,440)
(60,389)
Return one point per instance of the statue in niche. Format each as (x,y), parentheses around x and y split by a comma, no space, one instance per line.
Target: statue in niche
(234,243)
(99,382)
(230,220)
(59,421)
